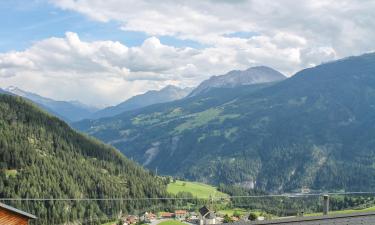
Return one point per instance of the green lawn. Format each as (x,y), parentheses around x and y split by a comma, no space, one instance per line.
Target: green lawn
(230,212)
(171,222)
(11,173)
(109,223)
(199,190)
(242,212)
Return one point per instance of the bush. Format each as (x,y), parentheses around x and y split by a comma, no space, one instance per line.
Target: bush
(253,216)
(237,214)
(227,219)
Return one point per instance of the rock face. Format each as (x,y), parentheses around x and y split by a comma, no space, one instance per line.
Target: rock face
(167,94)
(253,75)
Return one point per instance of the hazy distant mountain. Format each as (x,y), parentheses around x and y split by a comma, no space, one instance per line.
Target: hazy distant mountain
(315,129)
(253,75)
(167,94)
(4,92)
(68,111)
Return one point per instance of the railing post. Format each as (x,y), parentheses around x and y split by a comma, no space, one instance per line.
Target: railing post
(325,204)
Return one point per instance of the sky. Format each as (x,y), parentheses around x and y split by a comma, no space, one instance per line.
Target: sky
(102,52)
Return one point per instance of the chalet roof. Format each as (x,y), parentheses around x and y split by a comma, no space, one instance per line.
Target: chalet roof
(17,211)
(167,214)
(204,210)
(180,212)
(343,219)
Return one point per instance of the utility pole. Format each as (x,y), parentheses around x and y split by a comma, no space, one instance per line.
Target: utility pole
(211,202)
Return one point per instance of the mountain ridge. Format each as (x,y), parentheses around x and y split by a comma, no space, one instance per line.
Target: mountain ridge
(67,110)
(276,137)
(234,78)
(166,94)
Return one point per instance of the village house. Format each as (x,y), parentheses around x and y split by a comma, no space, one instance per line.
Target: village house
(167,215)
(13,216)
(207,217)
(181,214)
(193,218)
(148,217)
(128,220)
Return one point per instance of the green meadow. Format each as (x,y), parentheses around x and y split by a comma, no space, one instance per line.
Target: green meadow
(198,190)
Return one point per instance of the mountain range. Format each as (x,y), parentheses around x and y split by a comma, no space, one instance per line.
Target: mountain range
(313,130)
(67,110)
(72,111)
(166,94)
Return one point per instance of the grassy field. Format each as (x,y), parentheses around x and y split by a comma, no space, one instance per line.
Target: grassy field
(230,212)
(171,222)
(109,223)
(199,190)
(11,173)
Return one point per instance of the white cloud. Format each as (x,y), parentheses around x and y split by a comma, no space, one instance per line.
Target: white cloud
(101,72)
(107,72)
(288,35)
(291,34)
(345,25)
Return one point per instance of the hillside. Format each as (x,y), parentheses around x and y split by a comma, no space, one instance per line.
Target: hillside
(122,131)
(67,110)
(314,129)
(166,94)
(42,157)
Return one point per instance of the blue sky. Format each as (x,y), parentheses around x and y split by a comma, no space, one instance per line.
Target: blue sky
(104,52)
(24,22)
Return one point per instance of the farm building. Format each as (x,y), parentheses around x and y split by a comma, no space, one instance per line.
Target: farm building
(13,216)
(148,217)
(167,215)
(180,214)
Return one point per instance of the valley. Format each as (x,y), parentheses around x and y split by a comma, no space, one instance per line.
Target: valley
(238,150)
(216,112)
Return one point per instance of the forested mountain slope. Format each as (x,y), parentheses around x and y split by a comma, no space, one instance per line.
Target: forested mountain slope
(159,123)
(315,129)
(42,157)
